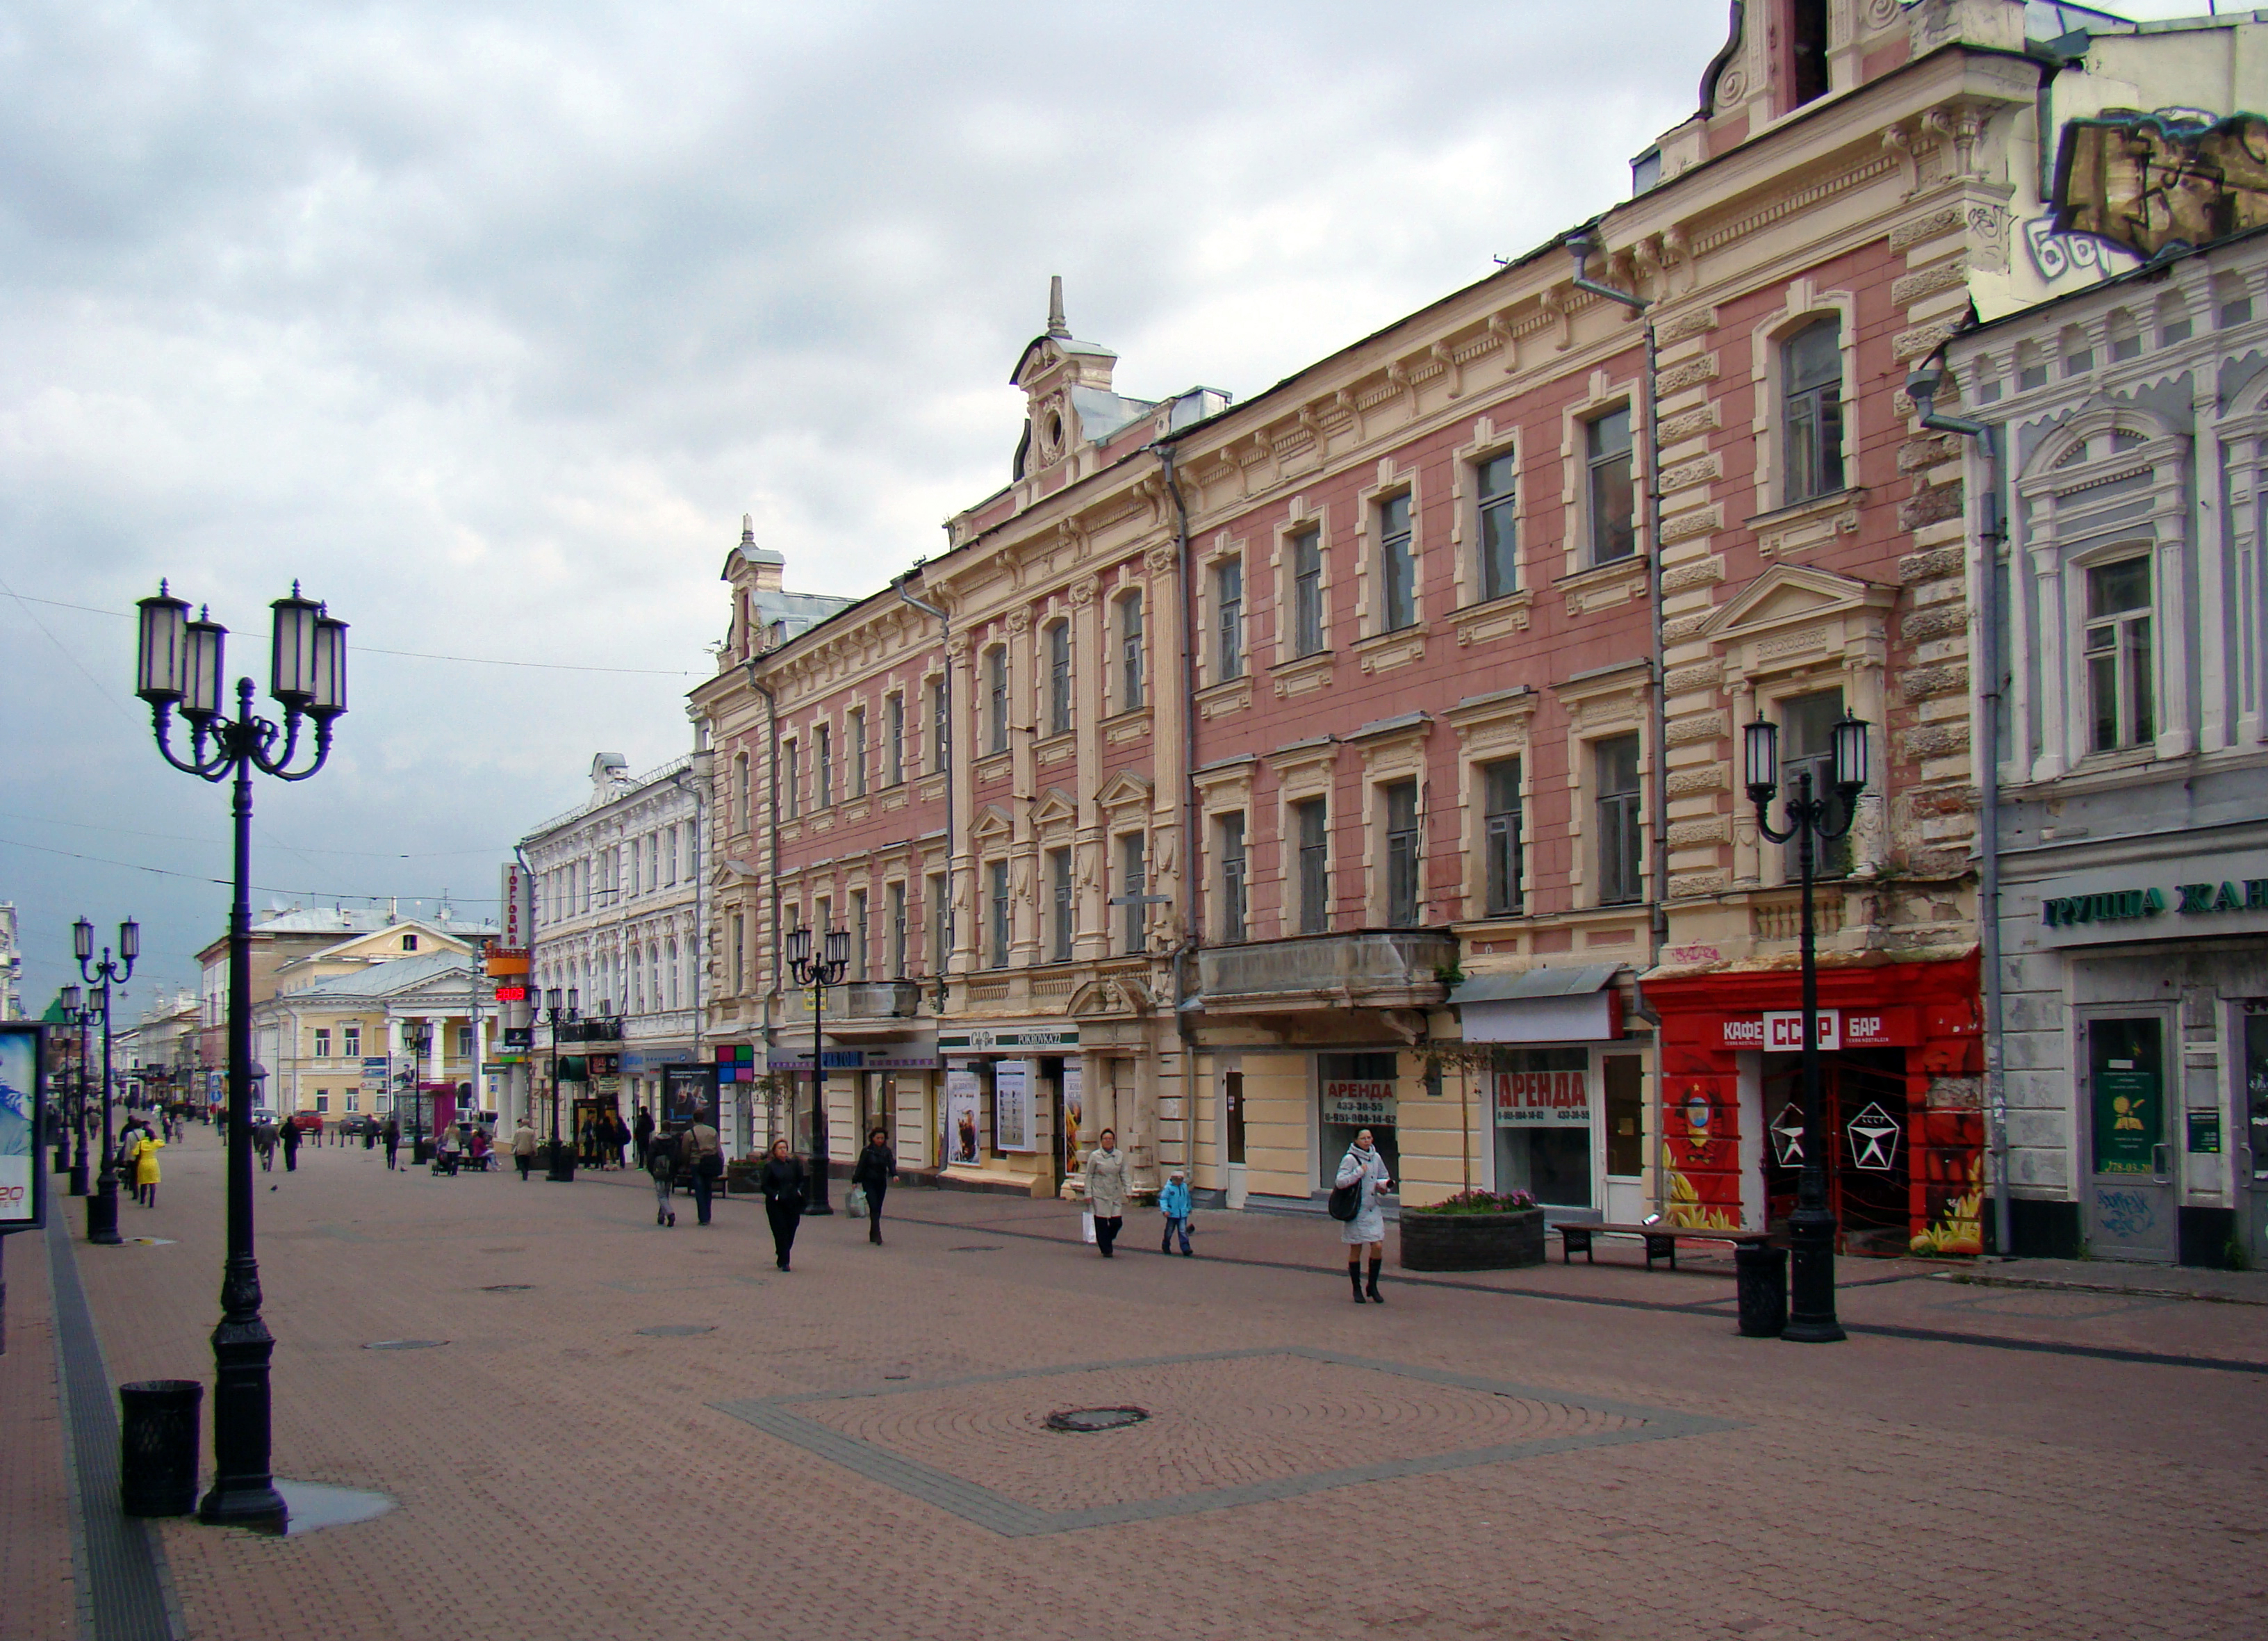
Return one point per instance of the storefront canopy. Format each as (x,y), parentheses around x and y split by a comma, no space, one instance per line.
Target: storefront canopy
(1572,1003)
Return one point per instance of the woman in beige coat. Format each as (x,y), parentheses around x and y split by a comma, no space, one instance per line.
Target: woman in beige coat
(1106,1189)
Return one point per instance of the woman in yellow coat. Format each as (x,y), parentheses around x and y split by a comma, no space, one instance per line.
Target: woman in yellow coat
(143,1165)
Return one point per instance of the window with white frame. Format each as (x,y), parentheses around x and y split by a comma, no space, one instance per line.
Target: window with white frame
(1499,793)
(861,934)
(893,739)
(823,744)
(1129,651)
(1229,833)
(1496,493)
(792,777)
(857,721)
(2121,693)
(1404,860)
(1397,565)
(1228,620)
(1062,914)
(350,1041)
(1610,496)
(938,910)
(1134,881)
(1806,749)
(1811,412)
(997,900)
(897,894)
(1059,682)
(1615,767)
(995,699)
(322,1042)
(1311,829)
(940,725)
(1306,592)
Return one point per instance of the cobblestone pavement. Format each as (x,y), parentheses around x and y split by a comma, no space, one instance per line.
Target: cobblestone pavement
(1567,1452)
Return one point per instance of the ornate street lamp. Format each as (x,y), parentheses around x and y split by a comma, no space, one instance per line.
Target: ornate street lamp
(77,1016)
(418,1039)
(179,665)
(818,974)
(1811,1228)
(100,975)
(561,1167)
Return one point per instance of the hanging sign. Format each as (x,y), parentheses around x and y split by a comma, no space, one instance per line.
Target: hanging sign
(1542,1098)
(1011,1106)
(1875,1136)
(962,1092)
(519,907)
(1359,1102)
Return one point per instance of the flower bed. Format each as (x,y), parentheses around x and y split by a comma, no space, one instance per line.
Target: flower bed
(1474,1230)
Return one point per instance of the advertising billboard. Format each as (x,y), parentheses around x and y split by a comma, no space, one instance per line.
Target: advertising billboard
(23,1107)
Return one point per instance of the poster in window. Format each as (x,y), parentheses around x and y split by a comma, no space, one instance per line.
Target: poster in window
(1074,1093)
(1359,1102)
(1549,1100)
(962,1088)
(688,1094)
(1011,1105)
(22,1203)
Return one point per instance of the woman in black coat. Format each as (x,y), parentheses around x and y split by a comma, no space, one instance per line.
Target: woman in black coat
(878,1166)
(783,1184)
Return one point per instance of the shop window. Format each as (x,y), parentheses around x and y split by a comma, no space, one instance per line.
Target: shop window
(2121,700)
(1059,897)
(1306,592)
(1542,1101)
(1228,619)
(995,699)
(1811,412)
(893,740)
(1621,833)
(1357,1091)
(322,1042)
(1311,823)
(1807,748)
(1500,836)
(1623,1076)
(1059,678)
(1612,499)
(1398,567)
(1400,804)
(996,898)
(1133,881)
(1497,498)
(1230,841)
(1129,652)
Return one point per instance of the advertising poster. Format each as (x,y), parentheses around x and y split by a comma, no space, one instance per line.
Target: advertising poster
(688,1094)
(20,1110)
(1359,1102)
(1011,1106)
(963,1088)
(1542,1099)
(1074,1093)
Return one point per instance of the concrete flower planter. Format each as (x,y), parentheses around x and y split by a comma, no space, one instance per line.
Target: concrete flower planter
(1471,1241)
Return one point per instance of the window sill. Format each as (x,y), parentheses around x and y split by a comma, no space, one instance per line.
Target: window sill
(1131,725)
(1597,574)
(1494,617)
(1056,748)
(991,767)
(1383,652)
(1231,695)
(1302,677)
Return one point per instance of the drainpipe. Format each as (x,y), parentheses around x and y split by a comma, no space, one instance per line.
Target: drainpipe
(1922,387)
(945,763)
(1580,244)
(1192,855)
(771,813)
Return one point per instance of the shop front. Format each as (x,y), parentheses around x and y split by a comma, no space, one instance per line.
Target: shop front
(1902,1062)
(890,1084)
(1014,1100)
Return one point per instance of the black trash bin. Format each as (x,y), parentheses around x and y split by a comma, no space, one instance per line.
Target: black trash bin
(1763,1277)
(158,1438)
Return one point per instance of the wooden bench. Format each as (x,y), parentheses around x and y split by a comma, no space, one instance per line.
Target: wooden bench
(1660,1240)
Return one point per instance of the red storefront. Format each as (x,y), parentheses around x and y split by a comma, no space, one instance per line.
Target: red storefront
(1903,1064)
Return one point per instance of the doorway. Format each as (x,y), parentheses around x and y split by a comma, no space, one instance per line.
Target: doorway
(2249,1148)
(1231,1095)
(2129,1210)
(1864,1120)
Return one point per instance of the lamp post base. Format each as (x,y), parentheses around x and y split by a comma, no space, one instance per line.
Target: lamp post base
(561,1169)
(78,1179)
(102,1213)
(1811,1278)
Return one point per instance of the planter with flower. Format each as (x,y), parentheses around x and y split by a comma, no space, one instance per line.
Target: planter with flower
(1473,1230)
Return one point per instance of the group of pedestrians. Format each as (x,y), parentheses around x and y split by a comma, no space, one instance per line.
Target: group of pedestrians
(137,1159)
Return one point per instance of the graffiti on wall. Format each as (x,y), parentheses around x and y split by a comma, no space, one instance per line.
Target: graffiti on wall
(2151,182)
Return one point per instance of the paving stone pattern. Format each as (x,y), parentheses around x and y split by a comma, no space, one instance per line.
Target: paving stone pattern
(562,1474)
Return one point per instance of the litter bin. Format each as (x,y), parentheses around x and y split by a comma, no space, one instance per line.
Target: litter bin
(1763,1279)
(157,1439)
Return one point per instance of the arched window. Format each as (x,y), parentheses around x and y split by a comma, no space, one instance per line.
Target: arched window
(1811,410)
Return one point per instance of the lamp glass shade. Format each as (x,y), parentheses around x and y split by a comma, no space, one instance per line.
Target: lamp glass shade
(73,999)
(201,673)
(1760,758)
(330,696)
(291,650)
(83,940)
(571,1000)
(129,940)
(551,999)
(838,946)
(161,649)
(1851,751)
(799,945)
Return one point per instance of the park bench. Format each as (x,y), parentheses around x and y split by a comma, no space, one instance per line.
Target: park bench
(1660,1240)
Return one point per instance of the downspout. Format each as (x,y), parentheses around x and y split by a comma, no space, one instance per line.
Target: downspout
(945,763)
(1993,533)
(1580,244)
(1192,876)
(772,823)
(530,1003)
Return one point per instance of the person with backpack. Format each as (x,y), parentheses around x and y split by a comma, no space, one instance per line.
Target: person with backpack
(1361,1180)
(704,1158)
(662,1162)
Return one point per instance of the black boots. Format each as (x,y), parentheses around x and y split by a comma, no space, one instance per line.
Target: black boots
(1354,1280)
(1375,1297)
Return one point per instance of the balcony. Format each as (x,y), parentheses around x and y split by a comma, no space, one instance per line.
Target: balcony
(1374,969)
(860,1003)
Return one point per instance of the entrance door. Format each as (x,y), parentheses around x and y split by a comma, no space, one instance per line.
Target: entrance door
(2122,1101)
(1232,1098)
(1622,1080)
(2249,1145)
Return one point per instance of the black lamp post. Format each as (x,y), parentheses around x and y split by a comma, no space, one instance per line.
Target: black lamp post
(1811,1228)
(100,974)
(418,1039)
(819,973)
(561,1167)
(179,664)
(75,1016)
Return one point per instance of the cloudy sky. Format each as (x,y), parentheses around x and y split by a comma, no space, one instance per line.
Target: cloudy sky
(488,320)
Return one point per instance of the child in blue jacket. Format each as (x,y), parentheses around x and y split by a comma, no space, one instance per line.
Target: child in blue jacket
(1173,1203)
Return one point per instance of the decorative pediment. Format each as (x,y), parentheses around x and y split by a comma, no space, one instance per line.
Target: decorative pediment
(992,822)
(1055,806)
(1791,595)
(1123,790)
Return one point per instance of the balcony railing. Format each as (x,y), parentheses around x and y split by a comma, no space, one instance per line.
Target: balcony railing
(1373,968)
(860,999)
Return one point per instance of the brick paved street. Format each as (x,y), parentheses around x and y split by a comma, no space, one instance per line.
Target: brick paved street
(1565,1452)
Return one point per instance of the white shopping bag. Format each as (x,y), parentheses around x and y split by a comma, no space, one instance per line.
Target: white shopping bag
(1086,1226)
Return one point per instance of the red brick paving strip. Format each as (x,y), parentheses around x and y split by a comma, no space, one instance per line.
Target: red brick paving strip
(37,1594)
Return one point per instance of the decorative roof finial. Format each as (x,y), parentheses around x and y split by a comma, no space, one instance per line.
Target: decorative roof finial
(748,529)
(1056,327)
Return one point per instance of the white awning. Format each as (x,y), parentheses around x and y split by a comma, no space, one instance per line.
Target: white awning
(1570,1003)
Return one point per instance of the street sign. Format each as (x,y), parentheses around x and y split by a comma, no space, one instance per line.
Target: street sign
(519,907)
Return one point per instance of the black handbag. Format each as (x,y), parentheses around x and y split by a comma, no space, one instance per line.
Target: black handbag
(1346,1201)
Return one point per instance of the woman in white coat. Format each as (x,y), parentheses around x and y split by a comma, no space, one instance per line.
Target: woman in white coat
(1363,1166)
(1106,1189)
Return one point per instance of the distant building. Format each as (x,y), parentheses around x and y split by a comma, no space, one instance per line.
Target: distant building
(12,964)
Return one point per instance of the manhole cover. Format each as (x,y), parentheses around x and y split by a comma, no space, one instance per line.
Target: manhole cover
(976,1247)
(510,1286)
(405,1344)
(676,1330)
(1083,1420)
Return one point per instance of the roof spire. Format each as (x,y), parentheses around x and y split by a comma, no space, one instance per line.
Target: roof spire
(1056,327)
(748,529)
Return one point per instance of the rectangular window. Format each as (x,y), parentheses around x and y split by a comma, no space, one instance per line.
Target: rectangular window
(354,1103)
(940,726)
(740,948)
(1311,824)
(1397,569)
(857,751)
(2121,701)
(997,899)
(1401,854)
(1234,905)
(1811,410)
(1500,836)
(940,913)
(1807,740)
(893,740)
(1059,901)
(996,699)
(1133,880)
(741,781)
(322,1101)
(322,1043)
(1307,592)
(860,934)
(792,777)
(1614,762)
(669,858)
(1613,500)
(1228,619)
(823,745)
(1059,678)
(1129,652)
(350,1045)
(464,1042)
(897,931)
(1497,491)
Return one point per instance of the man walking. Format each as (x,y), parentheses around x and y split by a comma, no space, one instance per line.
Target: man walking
(523,1146)
(705,1157)
(392,1139)
(642,1134)
(291,1145)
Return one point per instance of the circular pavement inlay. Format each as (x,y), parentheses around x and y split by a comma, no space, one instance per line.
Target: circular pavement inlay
(1085,1421)
(676,1330)
(509,1287)
(405,1344)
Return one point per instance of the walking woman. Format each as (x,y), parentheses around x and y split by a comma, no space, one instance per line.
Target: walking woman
(1367,1228)
(1106,1189)
(782,1183)
(142,1168)
(662,1162)
(878,1166)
